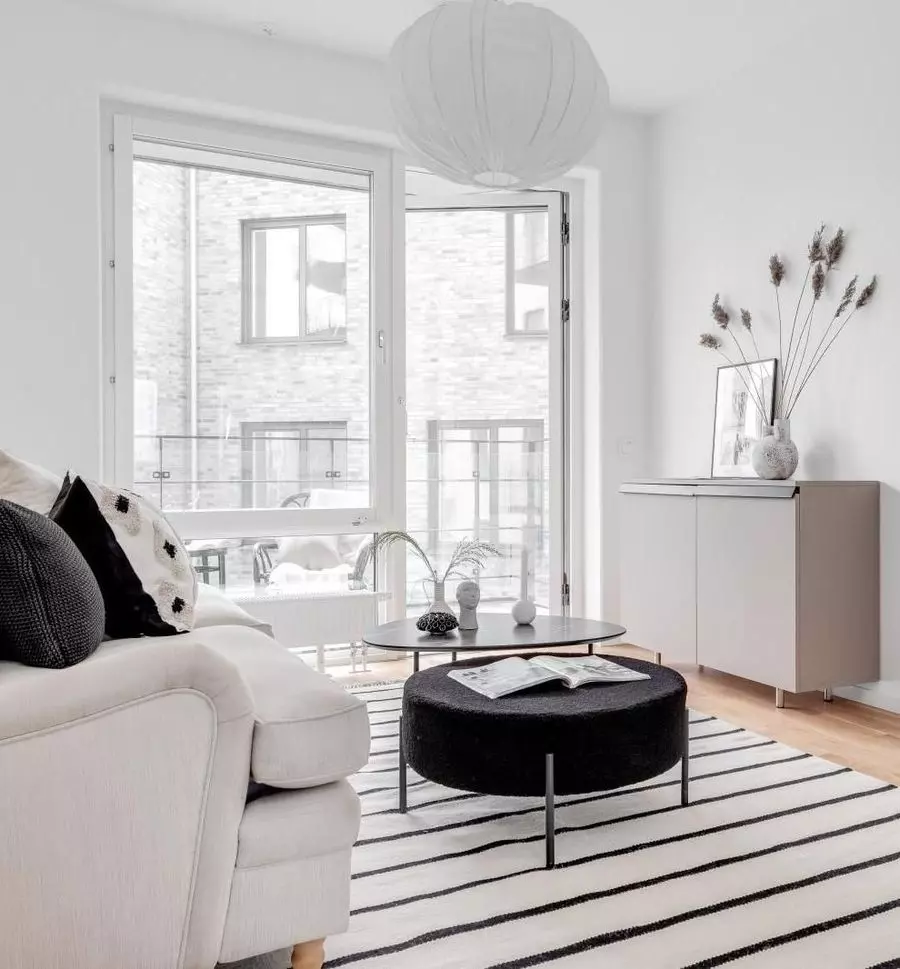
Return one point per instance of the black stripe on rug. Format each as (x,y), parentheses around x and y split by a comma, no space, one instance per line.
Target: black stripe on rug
(636,931)
(436,935)
(567,800)
(605,822)
(806,932)
(641,846)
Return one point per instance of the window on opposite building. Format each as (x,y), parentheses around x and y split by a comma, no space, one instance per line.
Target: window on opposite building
(294,282)
(285,462)
(527,274)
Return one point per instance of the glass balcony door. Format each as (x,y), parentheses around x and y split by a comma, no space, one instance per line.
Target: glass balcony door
(485,386)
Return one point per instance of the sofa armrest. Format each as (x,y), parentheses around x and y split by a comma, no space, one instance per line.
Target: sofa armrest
(119,673)
(307,729)
(124,784)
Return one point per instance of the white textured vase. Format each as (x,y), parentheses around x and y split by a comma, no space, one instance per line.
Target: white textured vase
(438,602)
(776,456)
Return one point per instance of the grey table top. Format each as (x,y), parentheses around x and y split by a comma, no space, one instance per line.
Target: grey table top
(495,632)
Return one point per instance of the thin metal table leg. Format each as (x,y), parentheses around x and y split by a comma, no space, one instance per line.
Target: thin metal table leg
(657,658)
(416,661)
(590,649)
(453,656)
(402,765)
(549,813)
(685,759)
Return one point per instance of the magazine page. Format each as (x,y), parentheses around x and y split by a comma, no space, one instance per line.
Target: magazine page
(503,677)
(576,670)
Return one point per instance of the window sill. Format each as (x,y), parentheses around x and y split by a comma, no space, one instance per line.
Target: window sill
(527,334)
(293,341)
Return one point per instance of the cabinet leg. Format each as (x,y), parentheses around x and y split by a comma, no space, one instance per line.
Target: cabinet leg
(779,698)
(701,668)
(827,695)
(657,658)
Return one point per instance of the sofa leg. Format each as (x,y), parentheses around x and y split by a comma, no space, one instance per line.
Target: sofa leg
(308,955)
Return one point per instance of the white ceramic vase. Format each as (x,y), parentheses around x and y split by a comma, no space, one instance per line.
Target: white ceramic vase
(776,456)
(524,611)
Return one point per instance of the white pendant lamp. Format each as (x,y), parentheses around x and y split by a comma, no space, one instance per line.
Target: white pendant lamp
(496,94)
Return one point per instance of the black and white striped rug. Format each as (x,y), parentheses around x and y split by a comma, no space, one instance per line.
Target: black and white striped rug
(782,859)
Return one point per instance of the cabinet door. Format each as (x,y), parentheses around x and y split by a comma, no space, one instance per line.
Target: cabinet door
(658,557)
(746,588)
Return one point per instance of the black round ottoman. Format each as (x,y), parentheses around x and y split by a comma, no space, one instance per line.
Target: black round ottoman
(548,739)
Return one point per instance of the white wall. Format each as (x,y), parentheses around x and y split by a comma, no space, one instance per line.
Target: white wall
(751,168)
(614,374)
(56,62)
(59,59)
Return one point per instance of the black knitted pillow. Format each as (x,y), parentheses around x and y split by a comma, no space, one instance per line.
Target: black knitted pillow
(51,609)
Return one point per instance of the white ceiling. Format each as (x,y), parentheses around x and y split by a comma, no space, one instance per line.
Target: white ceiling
(654,52)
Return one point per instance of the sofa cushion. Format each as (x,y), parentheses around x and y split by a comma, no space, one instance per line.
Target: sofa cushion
(307,730)
(27,484)
(214,608)
(289,824)
(51,610)
(140,564)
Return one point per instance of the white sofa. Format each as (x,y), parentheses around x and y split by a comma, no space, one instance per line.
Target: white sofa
(126,834)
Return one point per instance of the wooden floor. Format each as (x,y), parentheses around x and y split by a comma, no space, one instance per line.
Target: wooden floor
(848,733)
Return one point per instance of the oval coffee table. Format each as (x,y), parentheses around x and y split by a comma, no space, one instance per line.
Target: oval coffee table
(495,631)
(546,740)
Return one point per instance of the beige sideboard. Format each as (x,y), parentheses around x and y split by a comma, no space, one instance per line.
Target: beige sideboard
(777,582)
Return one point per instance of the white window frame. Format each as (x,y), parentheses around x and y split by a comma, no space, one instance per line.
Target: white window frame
(189,140)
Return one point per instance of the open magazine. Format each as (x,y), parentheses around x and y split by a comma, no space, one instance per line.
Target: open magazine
(514,674)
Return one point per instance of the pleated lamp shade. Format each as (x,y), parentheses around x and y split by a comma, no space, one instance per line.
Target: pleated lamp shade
(496,94)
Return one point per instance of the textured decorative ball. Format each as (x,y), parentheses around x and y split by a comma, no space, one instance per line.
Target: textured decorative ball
(436,623)
(524,612)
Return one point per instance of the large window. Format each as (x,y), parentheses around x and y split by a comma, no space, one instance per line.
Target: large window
(252,345)
(286,463)
(294,278)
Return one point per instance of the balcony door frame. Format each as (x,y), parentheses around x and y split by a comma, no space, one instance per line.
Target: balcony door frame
(244,149)
(556,203)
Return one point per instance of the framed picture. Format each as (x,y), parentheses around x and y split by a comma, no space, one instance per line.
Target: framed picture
(745,397)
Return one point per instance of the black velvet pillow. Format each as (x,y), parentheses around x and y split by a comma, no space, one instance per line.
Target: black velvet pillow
(51,610)
(142,567)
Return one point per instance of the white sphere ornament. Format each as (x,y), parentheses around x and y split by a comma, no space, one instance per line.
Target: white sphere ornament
(523,612)
(496,94)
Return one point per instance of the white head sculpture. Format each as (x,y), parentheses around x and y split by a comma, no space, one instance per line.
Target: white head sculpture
(468,595)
